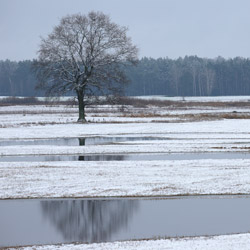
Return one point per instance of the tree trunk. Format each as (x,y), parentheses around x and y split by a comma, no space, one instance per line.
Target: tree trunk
(81,106)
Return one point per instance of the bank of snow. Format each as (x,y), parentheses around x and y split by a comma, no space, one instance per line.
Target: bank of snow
(77,130)
(141,178)
(224,242)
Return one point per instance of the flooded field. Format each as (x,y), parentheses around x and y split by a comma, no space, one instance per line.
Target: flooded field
(47,221)
(189,163)
(109,140)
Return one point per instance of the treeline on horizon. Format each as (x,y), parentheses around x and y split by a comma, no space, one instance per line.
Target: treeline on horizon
(188,76)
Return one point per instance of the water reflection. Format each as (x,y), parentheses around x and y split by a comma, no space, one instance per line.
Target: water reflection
(89,220)
(101,158)
(32,222)
(126,157)
(82,141)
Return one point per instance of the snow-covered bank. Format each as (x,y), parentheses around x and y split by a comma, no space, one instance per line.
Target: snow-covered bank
(230,126)
(128,178)
(223,242)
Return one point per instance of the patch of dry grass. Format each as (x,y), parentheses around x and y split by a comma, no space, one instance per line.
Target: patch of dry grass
(14,101)
(179,104)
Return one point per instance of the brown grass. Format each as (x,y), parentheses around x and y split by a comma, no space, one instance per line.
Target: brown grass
(180,104)
(13,101)
(135,102)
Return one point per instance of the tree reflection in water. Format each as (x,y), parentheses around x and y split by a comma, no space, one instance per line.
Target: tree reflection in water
(82,142)
(101,158)
(89,220)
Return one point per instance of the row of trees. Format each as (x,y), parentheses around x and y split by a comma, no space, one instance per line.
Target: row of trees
(189,76)
(17,79)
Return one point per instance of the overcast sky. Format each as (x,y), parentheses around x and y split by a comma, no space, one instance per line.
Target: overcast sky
(160,28)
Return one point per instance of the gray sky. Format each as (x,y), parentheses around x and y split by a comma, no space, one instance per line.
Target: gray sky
(160,28)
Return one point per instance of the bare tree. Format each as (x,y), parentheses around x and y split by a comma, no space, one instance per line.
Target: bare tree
(85,54)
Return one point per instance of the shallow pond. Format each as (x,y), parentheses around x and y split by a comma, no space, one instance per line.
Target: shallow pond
(125,157)
(51,221)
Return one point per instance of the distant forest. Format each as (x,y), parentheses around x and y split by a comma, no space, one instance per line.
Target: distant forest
(188,76)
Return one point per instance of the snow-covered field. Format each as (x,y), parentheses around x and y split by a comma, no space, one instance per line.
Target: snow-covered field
(179,133)
(224,242)
(127,178)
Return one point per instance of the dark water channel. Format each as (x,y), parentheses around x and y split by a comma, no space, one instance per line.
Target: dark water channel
(125,157)
(29,222)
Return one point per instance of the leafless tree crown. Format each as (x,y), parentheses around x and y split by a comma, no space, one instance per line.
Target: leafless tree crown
(84,52)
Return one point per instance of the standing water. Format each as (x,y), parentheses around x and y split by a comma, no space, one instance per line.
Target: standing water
(52,221)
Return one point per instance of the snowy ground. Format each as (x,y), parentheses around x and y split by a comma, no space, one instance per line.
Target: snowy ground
(181,130)
(127,178)
(199,99)
(225,242)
